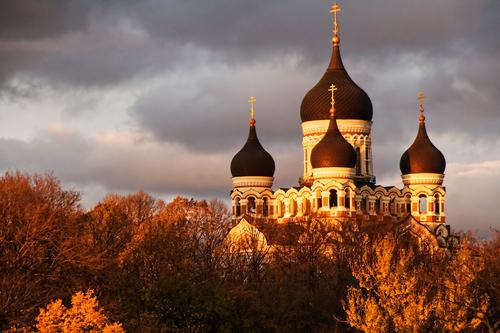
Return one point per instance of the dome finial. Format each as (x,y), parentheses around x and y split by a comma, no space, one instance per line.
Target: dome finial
(332,90)
(421,99)
(252,101)
(335,9)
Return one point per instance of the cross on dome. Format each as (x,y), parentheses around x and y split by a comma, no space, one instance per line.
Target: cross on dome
(332,90)
(421,99)
(334,10)
(252,101)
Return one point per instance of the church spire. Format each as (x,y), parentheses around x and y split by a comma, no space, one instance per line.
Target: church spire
(252,160)
(336,60)
(422,156)
(351,102)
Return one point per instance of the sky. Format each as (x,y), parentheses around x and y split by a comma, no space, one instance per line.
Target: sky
(129,95)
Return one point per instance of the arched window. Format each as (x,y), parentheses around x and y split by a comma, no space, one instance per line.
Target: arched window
(422,204)
(238,207)
(333,198)
(408,204)
(348,198)
(283,208)
(364,204)
(306,206)
(265,207)
(437,204)
(358,161)
(251,205)
(377,205)
(291,206)
(392,206)
(319,199)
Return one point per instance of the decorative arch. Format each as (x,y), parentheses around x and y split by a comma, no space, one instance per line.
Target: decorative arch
(236,194)
(251,193)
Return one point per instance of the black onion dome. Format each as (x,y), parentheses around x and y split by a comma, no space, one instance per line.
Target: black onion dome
(351,102)
(422,156)
(333,150)
(252,159)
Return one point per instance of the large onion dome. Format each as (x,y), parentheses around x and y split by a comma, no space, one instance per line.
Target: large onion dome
(351,101)
(333,151)
(252,159)
(422,156)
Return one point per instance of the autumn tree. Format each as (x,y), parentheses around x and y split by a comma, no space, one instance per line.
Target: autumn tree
(488,280)
(84,316)
(388,295)
(400,288)
(168,268)
(40,253)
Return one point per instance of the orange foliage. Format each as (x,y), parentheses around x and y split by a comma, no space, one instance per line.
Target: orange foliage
(169,267)
(405,289)
(84,315)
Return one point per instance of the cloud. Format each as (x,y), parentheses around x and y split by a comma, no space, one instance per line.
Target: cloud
(152,94)
(117,161)
(206,109)
(471,196)
(32,19)
(128,162)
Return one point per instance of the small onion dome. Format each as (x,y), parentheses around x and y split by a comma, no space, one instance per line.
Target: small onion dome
(333,150)
(351,102)
(252,159)
(422,156)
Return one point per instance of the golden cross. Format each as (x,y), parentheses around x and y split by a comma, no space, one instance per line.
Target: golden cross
(332,90)
(335,9)
(421,99)
(252,101)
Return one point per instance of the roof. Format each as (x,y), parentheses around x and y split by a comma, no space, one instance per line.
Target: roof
(252,159)
(422,156)
(333,150)
(351,101)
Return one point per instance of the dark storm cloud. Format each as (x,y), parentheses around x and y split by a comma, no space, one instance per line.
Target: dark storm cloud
(235,31)
(93,43)
(35,19)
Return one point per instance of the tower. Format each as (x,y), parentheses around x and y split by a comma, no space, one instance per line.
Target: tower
(354,114)
(252,170)
(422,171)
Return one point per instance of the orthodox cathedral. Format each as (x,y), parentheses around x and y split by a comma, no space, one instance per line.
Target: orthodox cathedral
(338,181)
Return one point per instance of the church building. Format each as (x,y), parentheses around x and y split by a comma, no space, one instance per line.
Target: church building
(338,182)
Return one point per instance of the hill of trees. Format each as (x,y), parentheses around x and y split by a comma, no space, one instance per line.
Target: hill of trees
(137,264)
